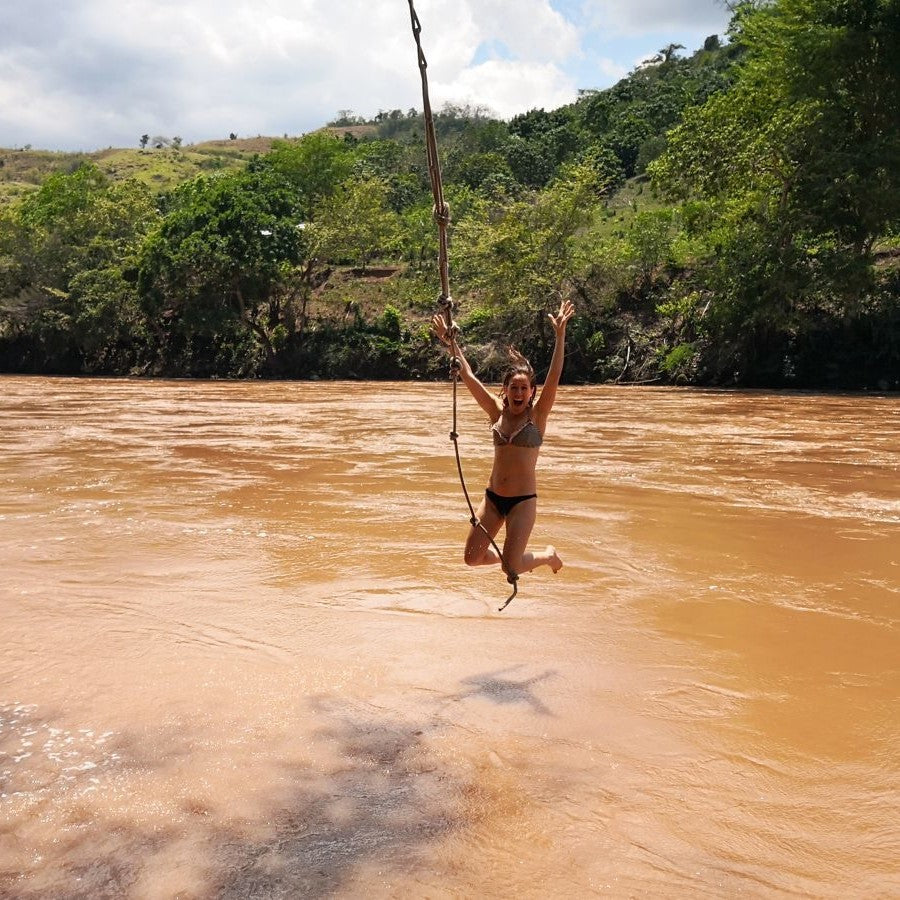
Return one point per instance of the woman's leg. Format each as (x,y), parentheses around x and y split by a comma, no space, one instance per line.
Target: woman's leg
(519,523)
(479,551)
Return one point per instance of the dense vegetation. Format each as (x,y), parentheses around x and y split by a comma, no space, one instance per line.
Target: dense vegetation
(728,217)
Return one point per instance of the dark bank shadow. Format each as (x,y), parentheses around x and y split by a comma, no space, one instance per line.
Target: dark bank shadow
(505,691)
(384,798)
(387,801)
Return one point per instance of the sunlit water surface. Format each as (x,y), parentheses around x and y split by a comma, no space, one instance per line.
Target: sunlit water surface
(241,656)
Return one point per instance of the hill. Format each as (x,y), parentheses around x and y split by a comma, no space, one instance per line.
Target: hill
(161,168)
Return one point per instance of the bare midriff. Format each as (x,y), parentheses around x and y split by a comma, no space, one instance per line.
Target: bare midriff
(513,474)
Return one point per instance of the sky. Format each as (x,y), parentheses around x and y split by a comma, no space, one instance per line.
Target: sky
(90,74)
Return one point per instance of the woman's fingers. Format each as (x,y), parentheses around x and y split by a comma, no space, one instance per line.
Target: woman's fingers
(566,311)
(440,328)
(443,334)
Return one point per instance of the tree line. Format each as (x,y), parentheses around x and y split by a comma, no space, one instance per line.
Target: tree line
(727,217)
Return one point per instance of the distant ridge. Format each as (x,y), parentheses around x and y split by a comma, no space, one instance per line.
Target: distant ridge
(23,170)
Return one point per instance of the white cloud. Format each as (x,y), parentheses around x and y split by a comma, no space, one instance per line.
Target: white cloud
(611,69)
(82,74)
(531,29)
(507,88)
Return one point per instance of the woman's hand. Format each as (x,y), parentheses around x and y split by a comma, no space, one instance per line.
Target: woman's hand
(566,311)
(441,332)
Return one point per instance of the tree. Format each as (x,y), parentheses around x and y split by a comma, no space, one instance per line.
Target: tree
(478,169)
(813,122)
(356,222)
(540,142)
(314,166)
(800,163)
(66,287)
(419,236)
(529,160)
(667,53)
(517,255)
(213,276)
(145,139)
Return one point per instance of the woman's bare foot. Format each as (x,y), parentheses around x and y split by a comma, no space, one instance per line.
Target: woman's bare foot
(553,560)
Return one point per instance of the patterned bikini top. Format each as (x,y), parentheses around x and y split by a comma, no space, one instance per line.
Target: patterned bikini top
(526,435)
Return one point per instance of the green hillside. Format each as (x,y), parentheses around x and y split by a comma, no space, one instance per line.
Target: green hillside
(23,170)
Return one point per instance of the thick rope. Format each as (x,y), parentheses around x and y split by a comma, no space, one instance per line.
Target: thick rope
(442,218)
(441,209)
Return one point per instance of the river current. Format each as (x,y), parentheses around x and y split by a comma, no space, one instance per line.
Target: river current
(241,655)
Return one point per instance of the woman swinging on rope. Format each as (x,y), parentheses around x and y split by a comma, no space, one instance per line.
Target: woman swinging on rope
(518,422)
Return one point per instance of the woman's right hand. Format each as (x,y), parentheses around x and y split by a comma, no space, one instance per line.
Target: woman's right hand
(442,333)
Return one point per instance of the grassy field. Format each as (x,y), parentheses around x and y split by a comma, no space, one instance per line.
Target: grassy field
(23,170)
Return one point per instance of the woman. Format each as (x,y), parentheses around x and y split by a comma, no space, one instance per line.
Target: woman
(518,422)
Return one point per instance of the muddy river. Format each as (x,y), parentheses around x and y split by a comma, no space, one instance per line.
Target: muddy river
(240,655)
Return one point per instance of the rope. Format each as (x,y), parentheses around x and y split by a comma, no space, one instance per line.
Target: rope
(441,209)
(442,218)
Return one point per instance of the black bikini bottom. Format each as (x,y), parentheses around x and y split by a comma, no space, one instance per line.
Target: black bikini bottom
(504,505)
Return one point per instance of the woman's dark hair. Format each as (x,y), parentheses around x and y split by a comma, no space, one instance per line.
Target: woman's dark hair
(519,366)
(518,369)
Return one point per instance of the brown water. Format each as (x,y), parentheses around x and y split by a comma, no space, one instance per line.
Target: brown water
(241,656)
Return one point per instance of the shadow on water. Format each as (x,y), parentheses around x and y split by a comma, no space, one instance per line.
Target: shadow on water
(378,793)
(505,691)
(386,802)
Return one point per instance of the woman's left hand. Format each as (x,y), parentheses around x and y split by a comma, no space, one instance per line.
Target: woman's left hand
(566,311)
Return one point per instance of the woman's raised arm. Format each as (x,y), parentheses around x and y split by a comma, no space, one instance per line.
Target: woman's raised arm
(548,392)
(486,400)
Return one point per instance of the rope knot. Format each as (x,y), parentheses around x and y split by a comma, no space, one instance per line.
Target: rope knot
(442,215)
(512,578)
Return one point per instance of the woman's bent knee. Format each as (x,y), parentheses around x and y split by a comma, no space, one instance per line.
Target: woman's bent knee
(479,556)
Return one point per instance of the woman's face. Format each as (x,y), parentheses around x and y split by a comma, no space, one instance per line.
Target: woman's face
(518,392)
